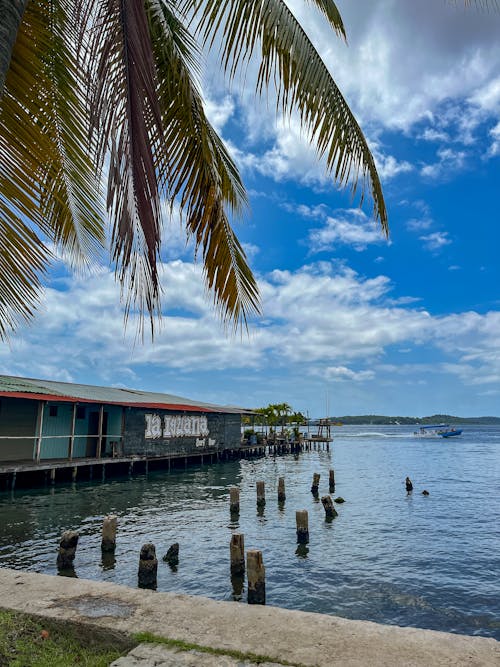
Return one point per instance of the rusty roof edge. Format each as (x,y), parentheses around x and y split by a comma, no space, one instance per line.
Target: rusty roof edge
(51,390)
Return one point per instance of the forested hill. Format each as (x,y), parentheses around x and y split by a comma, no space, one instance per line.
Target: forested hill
(433,419)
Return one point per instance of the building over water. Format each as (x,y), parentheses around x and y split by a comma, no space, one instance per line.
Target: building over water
(43,421)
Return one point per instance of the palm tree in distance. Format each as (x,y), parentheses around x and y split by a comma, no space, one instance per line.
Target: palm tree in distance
(110,86)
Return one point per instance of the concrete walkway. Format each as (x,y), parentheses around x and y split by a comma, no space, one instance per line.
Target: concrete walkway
(156,655)
(283,636)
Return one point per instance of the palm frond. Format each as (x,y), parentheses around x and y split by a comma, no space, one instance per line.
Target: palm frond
(23,259)
(330,10)
(202,172)
(302,82)
(46,177)
(127,120)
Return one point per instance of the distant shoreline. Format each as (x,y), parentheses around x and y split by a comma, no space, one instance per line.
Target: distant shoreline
(384,420)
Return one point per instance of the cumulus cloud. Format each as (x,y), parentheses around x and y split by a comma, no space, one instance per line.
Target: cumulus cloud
(322,323)
(350,227)
(435,241)
(449,161)
(495,144)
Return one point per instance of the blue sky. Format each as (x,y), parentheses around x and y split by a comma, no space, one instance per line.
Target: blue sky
(408,326)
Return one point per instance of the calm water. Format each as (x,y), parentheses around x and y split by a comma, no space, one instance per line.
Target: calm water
(431,562)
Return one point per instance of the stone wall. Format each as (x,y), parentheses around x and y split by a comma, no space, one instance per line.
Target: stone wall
(157,432)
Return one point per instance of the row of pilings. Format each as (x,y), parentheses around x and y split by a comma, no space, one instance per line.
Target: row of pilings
(47,473)
(251,563)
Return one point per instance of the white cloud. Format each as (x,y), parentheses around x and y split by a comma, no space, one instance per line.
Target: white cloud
(436,240)
(321,321)
(348,228)
(431,134)
(494,149)
(449,161)
(419,224)
(219,110)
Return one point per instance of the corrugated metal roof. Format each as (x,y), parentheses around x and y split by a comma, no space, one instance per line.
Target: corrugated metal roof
(68,392)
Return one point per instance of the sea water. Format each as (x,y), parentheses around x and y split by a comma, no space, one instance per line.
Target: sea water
(429,561)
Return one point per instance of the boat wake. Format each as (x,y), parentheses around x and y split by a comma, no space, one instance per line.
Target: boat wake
(367,434)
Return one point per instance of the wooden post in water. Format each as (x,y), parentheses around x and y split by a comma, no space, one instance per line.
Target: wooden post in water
(330,511)
(172,556)
(261,494)
(148,567)
(237,552)
(109,525)
(53,476)
(74,473)
(234,500)
(281,490)
(331,480)
(315,483)
(256,577)
(67,550)
(302,520)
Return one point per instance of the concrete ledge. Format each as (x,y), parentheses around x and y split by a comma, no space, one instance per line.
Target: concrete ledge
(301,638)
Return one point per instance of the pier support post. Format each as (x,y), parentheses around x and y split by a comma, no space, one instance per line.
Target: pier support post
(148,567)
(281,490)
(302,520)
(13,481)
(237,553)
(74,473)
(331,480)
(261,494)
(172,556)
(52,476)
(109,525)
(256,577)
(67,550)
(315,483)
(330,511)
(234,500)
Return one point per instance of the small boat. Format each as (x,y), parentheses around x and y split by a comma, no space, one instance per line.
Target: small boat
(451,433)
(437,431)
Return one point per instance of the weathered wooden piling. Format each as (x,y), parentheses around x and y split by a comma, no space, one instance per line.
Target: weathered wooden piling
(172,555)
(315,483)
(53,476)
(148,567)
(67,549)
(302,520)
(256,577)
(331,480)
(234,500)
(261,494)
(281,490)
(330,511)
(237,552)
(74,473)
(109,525)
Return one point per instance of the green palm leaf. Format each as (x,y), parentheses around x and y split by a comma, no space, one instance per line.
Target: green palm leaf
(201,171)
(302,81)
(46,177)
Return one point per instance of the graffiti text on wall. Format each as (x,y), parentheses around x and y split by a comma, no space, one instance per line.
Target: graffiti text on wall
(175,426)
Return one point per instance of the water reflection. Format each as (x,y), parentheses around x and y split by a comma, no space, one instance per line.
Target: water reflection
(302,550)
(237,584)
(108,560)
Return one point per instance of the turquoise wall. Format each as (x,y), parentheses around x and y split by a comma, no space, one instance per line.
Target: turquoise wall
(56,430)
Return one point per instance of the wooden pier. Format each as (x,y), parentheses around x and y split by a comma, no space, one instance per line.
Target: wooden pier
(30,473)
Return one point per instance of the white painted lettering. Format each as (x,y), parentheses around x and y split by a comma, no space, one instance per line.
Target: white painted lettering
(176,426)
